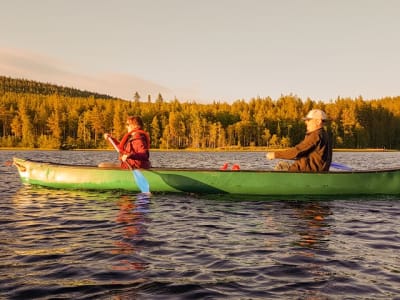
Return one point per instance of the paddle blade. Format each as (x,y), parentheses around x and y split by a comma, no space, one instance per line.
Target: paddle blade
(340,166)
(141,181)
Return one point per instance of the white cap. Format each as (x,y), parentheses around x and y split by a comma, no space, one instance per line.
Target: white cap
(315,114)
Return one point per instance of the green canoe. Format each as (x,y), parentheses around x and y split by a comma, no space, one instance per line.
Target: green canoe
(206,181)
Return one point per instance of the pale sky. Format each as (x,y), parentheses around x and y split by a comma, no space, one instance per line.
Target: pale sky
(206,50)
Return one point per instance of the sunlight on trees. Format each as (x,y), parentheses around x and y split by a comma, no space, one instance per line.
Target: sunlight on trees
(37,115)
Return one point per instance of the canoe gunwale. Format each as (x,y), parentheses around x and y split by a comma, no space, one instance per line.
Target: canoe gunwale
(17,162)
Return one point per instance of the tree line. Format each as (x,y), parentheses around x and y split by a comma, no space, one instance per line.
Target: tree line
(29,118)
(8,84)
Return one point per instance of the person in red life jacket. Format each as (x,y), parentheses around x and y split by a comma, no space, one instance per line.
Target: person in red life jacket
(134,147)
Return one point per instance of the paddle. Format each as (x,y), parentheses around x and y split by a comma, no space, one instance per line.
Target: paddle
(137,175)
(340,166)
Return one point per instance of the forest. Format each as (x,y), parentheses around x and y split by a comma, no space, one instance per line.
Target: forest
(47,116)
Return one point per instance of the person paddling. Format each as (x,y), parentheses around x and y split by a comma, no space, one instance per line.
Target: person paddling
(134,146)
(314,153)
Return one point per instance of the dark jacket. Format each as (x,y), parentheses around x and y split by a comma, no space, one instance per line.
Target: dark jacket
(313,154)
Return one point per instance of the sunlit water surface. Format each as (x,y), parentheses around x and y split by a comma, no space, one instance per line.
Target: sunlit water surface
(57,244)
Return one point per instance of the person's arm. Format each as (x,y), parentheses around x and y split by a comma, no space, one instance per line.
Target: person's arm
(108,135)
(270,155)
(301,149)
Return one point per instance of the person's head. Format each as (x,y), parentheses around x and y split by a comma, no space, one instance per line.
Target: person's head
(315,119)
(134,123)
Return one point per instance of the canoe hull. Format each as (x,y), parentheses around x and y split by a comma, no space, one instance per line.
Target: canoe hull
(243,182)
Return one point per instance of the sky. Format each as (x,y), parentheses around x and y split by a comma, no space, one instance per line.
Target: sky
(206,50)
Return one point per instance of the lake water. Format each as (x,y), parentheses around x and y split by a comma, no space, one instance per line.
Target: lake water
(57,244)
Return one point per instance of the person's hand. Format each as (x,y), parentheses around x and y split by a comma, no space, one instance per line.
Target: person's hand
(270,155)
(106,136)
(124,157)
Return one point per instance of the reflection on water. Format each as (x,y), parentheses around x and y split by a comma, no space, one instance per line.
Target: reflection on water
(111,245)
(313,223)
(131,216)
(308,223)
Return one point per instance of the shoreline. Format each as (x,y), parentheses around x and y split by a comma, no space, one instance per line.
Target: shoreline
(227,149)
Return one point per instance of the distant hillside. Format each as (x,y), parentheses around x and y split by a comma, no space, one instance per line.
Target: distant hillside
(8,84)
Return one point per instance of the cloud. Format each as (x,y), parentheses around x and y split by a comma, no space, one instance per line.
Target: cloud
(22,64)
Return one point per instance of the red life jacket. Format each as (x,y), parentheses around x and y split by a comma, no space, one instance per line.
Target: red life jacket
(132,133)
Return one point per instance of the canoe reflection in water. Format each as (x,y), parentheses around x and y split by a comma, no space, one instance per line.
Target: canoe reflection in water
(132,218)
